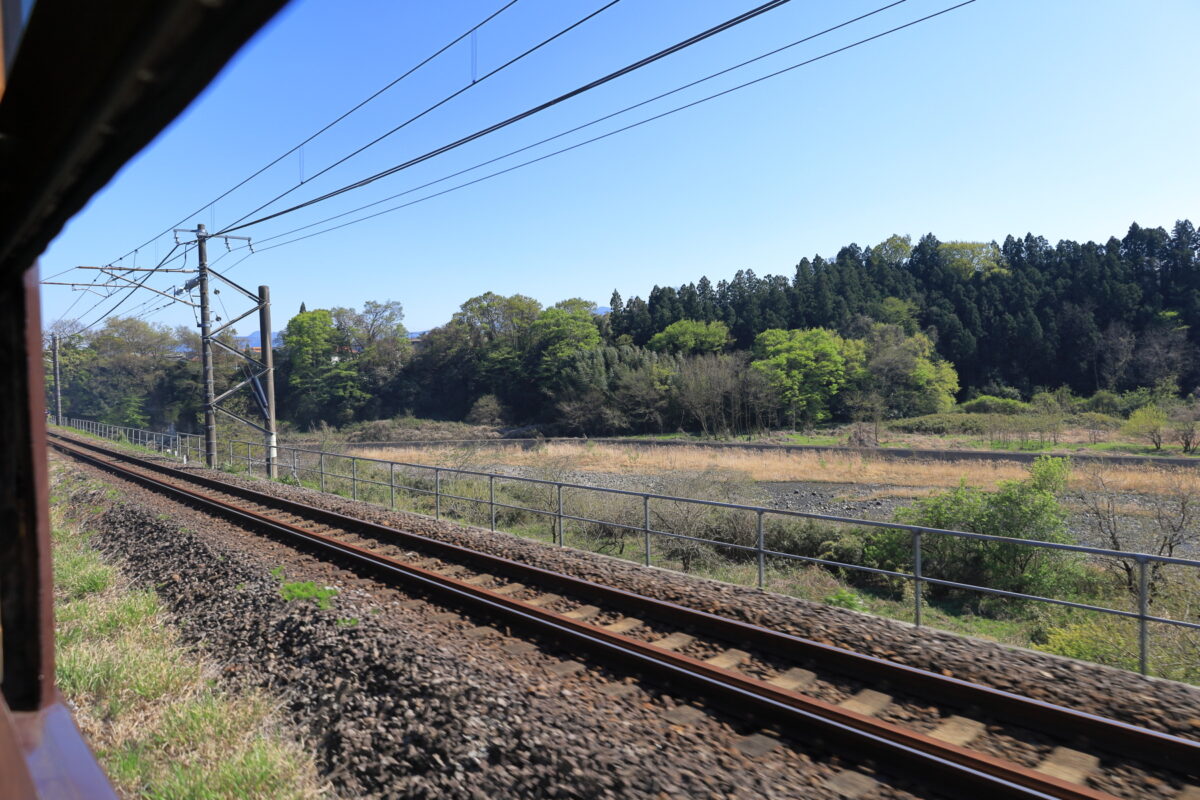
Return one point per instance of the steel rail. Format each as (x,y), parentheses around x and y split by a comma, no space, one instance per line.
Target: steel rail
(883,740)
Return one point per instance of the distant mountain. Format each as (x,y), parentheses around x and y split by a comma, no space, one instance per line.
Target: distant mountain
(254,339)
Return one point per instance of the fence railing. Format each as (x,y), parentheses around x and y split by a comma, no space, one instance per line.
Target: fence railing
(184,446)
(375,480)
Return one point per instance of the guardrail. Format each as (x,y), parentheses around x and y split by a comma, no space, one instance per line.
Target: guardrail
(184,446)
(375,480)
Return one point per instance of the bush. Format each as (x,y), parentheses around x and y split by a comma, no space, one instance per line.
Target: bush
(987,404)
(943,424)
(845,598)
(1094,641)
(486,411)
(1149,423)
(1027,509)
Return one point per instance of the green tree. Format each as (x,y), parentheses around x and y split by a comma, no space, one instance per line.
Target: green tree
(559,334)
(690,337)
(1025,509)
(1149,423)
(807,368)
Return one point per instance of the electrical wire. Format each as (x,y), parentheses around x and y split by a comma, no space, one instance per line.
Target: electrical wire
(578,128)
(330,125)
(651,59)
(608,134)
(132,289)
(433,107)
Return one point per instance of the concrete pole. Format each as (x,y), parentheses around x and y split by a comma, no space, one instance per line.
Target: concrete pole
(58,417)
(268,358)
(206,357)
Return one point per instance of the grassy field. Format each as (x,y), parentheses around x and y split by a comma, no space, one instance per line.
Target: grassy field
(840,468)
(151,709)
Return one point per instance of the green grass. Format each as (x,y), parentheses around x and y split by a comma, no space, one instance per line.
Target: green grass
(157,722)
(308,590)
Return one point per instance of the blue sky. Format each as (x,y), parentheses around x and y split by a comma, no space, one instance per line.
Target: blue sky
(1066,118)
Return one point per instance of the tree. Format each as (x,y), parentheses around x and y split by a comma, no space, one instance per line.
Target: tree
(1149,423)
(558,334)
(806,367)
(689,337)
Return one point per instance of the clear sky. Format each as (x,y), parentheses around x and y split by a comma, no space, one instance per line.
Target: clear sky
(1065,118)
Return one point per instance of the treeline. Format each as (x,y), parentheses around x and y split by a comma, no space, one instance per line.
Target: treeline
(893,330)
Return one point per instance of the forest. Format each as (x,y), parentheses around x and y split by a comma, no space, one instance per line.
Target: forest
(895,330)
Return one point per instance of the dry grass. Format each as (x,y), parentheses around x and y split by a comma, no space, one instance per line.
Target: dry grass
(767,466)
(149,708)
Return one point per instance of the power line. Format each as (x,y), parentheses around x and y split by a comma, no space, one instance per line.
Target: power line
(600,137)
(431,108)
(128,294)
(329,125)
(675,48)
(578,128)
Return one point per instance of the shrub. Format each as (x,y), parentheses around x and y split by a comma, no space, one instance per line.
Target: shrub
(1149,423)
(987,404)
(845,598)
(1094,641)
(1026,509)
(943,424)
(486,411)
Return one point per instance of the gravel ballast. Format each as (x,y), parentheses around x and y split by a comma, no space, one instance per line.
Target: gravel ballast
(1158,704)
(400,703)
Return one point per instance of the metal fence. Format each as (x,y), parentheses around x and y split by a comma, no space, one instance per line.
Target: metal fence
(184,446)
(375,480)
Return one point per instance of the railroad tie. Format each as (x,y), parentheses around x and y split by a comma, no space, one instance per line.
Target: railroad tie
(756,745)
(478,580)
(850,784)
(1188,793)
(624,625)
(511,588)
(564,668)
(683,715)
(794,679)
(1069,765)
(868,702)
(544,600)
(582,613)
(482,632)
(729,659)
(959,731)
(676,641)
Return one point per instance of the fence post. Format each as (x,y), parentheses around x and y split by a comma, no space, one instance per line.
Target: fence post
(560,515)
(437,493)
(353,478)
(392,483)
(295,464)
(917,578)
(762,555)
(492,499)
(1143,610)
(646,525)
(321,468)
(231,453)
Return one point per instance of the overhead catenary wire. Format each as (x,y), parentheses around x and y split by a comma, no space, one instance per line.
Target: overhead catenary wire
(629,68)
(578,128)
(631,126)
(433,107)
(336,121)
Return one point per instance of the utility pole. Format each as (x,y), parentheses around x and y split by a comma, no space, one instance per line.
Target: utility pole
(206,360)
(268,359)
(58,420)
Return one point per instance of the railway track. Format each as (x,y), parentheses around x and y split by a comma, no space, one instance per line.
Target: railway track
(751,671)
